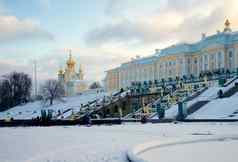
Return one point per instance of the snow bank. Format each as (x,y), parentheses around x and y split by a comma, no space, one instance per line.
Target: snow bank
(225,108)
(32,110)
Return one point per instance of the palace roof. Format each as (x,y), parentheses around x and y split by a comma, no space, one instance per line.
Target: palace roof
(223,39)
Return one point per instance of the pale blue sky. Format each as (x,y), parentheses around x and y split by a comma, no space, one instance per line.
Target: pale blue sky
(101,33)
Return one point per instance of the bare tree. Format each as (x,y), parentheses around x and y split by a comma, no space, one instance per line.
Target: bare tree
(51,90)
(15,89)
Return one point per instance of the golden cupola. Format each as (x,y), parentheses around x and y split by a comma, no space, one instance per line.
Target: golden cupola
(71,63)
(227,26)
(60,72)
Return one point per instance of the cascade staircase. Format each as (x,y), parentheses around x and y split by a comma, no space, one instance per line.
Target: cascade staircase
(196,106)
(96,106)
(231,91)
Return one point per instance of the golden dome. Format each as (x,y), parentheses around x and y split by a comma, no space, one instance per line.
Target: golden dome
(71,61)
(227,26)
(60,72)
(227,23)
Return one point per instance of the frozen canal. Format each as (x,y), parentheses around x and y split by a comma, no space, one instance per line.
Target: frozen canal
(96,143)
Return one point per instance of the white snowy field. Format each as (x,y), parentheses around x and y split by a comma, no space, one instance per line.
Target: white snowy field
(97,143)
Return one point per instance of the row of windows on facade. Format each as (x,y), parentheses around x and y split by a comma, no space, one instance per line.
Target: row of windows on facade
(205,57)
(212,59)
(216,60)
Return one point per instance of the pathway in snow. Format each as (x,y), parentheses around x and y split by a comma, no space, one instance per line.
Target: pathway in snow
(96,143)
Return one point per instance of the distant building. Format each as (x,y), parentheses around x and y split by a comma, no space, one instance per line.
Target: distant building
(73,81)
(112,80)
(211,53)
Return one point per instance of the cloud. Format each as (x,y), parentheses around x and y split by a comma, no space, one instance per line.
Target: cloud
(10,65)
(127,32)
(95,62)
(14,29)
(192,27)
(177,20)
(115,7)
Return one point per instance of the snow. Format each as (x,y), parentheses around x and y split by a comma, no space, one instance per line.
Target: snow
(97,143)
(33,109)
(211,149)
(225,108)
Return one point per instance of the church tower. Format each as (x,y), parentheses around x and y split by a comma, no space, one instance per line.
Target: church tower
(71,63)
(61,75)
(81,74)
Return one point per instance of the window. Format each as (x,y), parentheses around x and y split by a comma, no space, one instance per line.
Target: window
(200,63)
(212,57)
(219,60)
(212,61)
(188,61)
(195,61)
(230,62)
(205,62)
(230,54)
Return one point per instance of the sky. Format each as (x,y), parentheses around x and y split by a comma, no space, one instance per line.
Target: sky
(102,34)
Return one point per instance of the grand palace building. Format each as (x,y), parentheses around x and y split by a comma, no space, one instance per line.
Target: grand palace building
(211,53)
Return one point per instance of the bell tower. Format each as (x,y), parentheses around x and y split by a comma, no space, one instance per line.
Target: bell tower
(81,74)
(71,63)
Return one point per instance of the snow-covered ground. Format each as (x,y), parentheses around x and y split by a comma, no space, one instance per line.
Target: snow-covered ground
(97,143)
(225,108)
(32,110)
(217,149)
